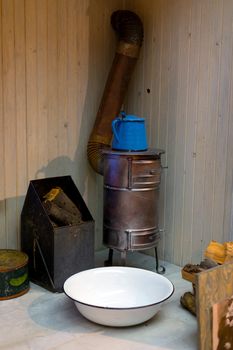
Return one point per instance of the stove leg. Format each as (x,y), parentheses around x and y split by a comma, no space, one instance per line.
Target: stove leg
(123,258)
(159,269)
(109,261)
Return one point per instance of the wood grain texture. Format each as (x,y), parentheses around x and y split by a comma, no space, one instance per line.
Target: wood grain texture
(53,63)
(9,125)
(3,240)
(20,101)
(212,286)
(55,56)
(192,78)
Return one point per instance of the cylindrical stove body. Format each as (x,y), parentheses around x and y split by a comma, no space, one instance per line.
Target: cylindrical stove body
(131,196)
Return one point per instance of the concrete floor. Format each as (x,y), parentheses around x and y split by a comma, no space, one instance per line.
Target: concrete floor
(44,320)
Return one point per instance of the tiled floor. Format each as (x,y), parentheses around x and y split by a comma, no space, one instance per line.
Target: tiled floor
(44,320)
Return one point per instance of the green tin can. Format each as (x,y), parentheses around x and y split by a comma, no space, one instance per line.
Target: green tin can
(14,280)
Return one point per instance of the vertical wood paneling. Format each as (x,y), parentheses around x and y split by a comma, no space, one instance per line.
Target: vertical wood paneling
(167,65)
(224,114)
(147,64)
(47,100)
(155,94)
(41,77)
(3,239)
(21,130)
(159,40)
(191,118)
(157,133)
(170,106)
(134,106)
(55,56)
(201,127)
(206,127)
(228,212)
(183,67)
(9,111)
(73,83)
(53,84)
(190,135)
(215,12)
(31,86)
(9,108)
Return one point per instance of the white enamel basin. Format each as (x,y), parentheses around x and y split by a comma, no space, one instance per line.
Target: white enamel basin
(118,296)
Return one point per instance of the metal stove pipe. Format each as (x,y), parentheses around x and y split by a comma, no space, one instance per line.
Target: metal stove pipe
(129,28)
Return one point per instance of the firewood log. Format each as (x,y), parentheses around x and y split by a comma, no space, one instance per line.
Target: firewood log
(188,302)
(61,208)
(61,216)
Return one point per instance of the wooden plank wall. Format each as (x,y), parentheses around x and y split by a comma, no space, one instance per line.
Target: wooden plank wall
(186,63)
(54,59)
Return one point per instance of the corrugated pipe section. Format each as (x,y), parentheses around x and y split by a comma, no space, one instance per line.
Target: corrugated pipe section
(129,29)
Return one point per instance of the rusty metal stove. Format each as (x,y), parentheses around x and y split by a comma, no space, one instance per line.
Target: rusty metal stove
(131,196)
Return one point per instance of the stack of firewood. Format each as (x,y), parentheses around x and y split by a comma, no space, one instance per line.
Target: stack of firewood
(215,254)
(61,209)
(188,273)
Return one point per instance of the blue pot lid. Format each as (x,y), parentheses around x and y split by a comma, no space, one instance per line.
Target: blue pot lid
(132,118)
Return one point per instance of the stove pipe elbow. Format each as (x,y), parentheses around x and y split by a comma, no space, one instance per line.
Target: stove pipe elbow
(129,29)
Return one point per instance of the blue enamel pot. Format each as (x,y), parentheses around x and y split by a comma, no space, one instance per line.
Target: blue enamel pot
(129,133)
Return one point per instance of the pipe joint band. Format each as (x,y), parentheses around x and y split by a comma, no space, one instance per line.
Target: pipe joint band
(127,49)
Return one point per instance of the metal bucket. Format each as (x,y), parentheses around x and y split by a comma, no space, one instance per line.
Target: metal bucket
(14,280)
